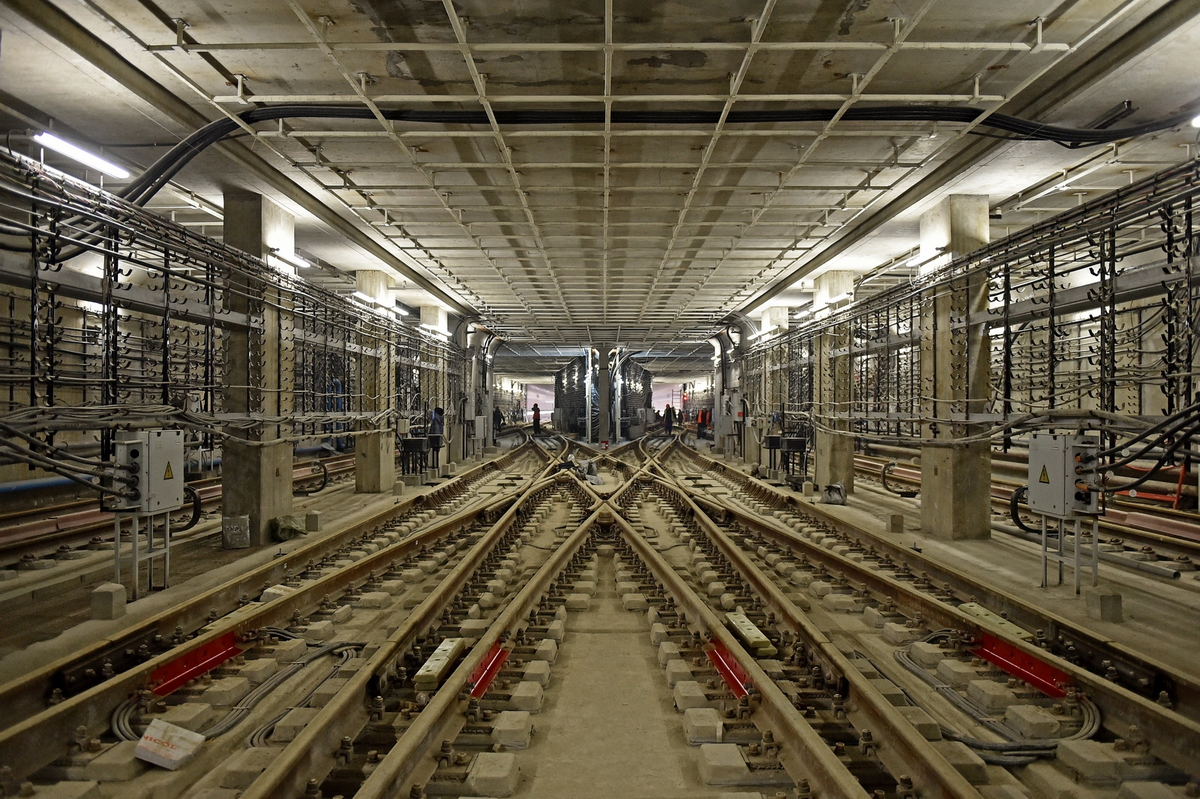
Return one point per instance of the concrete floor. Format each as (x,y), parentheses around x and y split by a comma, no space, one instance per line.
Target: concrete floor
(607,708)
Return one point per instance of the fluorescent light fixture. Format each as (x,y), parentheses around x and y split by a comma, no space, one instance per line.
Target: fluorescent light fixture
(838,298)
(763,332)
(52,142)
(399,311)
(362,297)
(437,330)
(1196,122)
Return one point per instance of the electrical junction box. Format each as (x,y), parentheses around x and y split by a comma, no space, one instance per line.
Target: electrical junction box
(481,427)
(1063,480)
(154,458)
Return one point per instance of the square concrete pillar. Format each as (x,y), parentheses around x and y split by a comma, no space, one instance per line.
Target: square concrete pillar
(955,372)
(259,370)
(108,601)
(374,463)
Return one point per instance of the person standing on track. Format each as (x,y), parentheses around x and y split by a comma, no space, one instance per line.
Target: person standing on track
(497,423)
(669,418)
(537,420)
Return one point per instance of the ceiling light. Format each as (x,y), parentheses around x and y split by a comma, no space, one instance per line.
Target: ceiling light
(82,156)
(361,297)
(437,330)
(1196,122)
(763,332)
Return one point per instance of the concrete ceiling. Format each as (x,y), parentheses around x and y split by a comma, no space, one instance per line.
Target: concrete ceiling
(644,235)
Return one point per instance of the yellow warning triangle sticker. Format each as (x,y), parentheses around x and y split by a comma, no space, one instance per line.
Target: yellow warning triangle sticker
(170,475)
(1045,478)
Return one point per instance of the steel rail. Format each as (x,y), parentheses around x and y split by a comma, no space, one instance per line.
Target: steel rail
(1175,736)
(313,749)
(902,749)
(40,736)
(803,754)
(393,778)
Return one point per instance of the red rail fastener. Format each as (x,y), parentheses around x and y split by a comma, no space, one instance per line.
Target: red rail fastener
(192,664)
(1042,676)
(487,670)
(733,674)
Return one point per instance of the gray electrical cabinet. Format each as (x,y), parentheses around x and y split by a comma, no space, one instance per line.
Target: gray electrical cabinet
(1063,479)
(154,459)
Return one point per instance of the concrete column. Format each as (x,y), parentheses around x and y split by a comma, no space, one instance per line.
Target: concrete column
(955,368)
(433,383)
(256,479)
(605,391)
(375,450)
(832,389)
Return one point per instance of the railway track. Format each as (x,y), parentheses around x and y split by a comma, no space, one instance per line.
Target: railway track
(490,651)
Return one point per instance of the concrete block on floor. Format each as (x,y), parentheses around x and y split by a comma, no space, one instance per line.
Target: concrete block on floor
(926,655)
(784,568)
(1094,762)
(493,774)
(108,601)
(341,614)
(624,588)
(667,651)
(192,716)
(488,600)
(634,602)
(289,651)
(723,764)
(320,631)
(990,695)
(497,587)
(890,691)
(375,599)
(689,694)
(842,603)
(312,521)
(605,550)
(898,634)
(393,587)
(526,696)
(1045,779)
(1104,604)
(873,617)
(716,588)
(820,588)
(473,628)
(1139,789)
(677,671)
(428,566)
(584,587)
(512,728)
(929,729)
(956,672)
(801,578)
(658,634)
(258,670)
(1003,792)
(226,692)
(411,576)
(579,601)
(290,725)
(556,630)
(89,789)
(537,671)
(327,690)
(964,761)
(244,767)
(547,650)
(116,764)
(702,725)
(1032,721)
